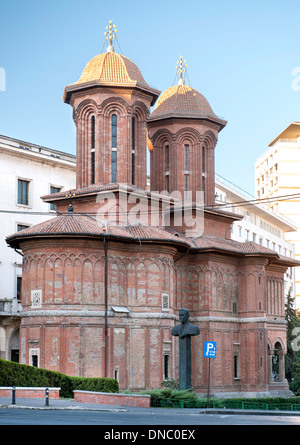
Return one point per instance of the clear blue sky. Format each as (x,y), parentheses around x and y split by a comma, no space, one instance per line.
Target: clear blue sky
(240,56)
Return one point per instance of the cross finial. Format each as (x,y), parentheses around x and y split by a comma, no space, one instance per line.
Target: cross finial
(110,35)
(70,208)
(181,68)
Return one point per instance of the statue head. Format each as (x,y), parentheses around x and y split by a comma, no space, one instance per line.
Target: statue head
(183,315)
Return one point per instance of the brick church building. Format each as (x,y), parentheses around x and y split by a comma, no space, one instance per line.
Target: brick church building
(103,282)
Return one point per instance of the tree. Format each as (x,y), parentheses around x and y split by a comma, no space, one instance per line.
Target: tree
(292,358)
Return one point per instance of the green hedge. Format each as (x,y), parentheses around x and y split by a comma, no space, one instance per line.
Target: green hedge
(15,374)
(169,397)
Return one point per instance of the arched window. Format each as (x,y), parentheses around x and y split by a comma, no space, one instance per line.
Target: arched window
(203,172)
(133,149)
(186,167)
(114,131)
(93,132)
(167,167)
(114,148)
(93,149)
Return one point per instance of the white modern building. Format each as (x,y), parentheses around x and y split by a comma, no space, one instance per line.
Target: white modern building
(28,171)
(277,181)
(260,224)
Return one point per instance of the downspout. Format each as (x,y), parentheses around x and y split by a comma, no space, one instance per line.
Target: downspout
(105,303)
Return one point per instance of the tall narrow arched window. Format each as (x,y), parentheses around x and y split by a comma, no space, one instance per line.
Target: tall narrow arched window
(203,171)
(133,149)
(93,149)
(186,167)
(167,167)
(114,148)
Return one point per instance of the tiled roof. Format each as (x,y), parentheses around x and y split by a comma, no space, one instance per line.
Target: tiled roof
(112,68)
(182,101)
(72,224)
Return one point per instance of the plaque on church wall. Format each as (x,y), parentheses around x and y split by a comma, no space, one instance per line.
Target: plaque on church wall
(36,298)
(165,302)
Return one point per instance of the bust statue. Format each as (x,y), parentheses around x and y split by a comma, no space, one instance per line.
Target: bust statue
(185,328)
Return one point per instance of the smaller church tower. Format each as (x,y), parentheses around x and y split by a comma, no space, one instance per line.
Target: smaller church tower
(183,133)
(111,102)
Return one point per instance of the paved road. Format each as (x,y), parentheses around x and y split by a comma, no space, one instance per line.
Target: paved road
(133,416)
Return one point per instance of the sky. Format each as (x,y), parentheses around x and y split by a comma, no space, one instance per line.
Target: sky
(244,57)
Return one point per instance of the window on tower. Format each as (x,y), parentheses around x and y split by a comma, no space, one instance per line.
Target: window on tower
(93,149)
(133,150)
(114,166)
(114,131)
(114,148)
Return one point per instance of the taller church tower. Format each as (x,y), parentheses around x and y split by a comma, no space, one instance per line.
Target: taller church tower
(111,102)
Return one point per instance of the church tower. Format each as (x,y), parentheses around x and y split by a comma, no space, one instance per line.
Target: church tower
(111,102)
(183,133)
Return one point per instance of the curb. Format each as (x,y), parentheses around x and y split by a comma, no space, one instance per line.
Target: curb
(78,408)
(250,412)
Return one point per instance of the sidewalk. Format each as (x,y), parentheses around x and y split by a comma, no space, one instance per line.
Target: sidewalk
(71,404)
(39,403)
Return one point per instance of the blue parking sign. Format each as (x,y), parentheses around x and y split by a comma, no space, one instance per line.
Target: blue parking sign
(210,349)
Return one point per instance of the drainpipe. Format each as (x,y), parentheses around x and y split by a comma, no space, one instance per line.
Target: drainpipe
(105,302)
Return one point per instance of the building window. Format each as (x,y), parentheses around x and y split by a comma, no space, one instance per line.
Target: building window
(133,150)
(34,357)
(235,367)
(167,152)
(54,190)
(166,375)
(114,131)
(93,132)
(93,150)
(186,158)
(21,227)
(93,167)
(167,183)
(186,183)
(203,171)
(23,192)
(114,166)
(19,288)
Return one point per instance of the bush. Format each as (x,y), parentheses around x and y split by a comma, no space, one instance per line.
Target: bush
(15,374)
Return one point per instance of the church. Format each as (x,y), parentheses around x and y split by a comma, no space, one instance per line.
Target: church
(104,281)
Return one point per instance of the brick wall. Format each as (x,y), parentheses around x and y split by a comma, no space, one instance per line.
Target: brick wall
(25,392)
(103,398)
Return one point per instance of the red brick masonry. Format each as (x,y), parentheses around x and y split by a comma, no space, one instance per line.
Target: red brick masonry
(106,398)
(24,392)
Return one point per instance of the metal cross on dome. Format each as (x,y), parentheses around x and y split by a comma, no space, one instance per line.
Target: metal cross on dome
(181,68)
(111,33)
(70,208)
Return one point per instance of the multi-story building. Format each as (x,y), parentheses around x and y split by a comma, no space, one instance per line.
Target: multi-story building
(261,223)
(277,182)
(27,172)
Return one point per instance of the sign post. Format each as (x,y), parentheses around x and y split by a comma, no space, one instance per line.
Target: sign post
(210,351)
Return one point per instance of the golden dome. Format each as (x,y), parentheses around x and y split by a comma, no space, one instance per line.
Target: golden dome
(112,68)
(182,101)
